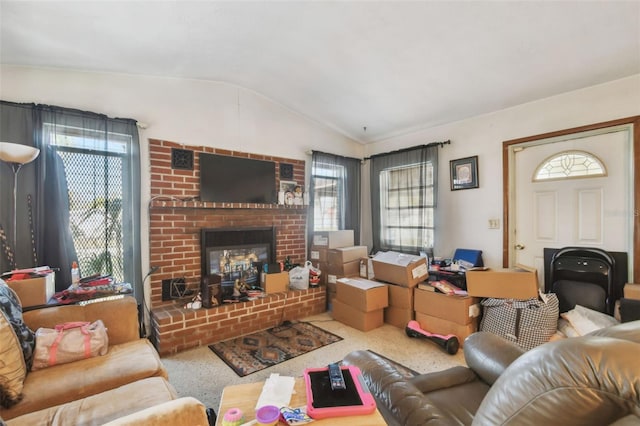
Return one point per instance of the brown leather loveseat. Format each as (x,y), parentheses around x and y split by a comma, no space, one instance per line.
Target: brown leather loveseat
(589,380)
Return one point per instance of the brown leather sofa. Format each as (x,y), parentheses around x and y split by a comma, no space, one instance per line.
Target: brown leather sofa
(589,380)
(127,386)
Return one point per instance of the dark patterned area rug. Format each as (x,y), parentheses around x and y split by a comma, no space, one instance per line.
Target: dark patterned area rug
(257,351)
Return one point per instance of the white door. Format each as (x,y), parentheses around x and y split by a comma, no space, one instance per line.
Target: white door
(573,211)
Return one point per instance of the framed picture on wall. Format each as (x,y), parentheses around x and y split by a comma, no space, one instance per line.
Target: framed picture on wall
(464,173)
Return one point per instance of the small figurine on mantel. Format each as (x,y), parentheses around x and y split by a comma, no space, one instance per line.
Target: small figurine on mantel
(196,302)
(239,288)
(298,195)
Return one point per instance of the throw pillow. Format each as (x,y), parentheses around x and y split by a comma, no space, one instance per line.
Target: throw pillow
(12,367)
(10,306)
(585,320)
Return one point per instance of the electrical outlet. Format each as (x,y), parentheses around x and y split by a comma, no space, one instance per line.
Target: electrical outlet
(494,223)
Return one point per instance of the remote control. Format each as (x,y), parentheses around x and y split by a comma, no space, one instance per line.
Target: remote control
(336,378)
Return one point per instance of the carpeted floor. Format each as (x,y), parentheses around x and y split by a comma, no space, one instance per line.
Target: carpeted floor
(257,351)
(202,374)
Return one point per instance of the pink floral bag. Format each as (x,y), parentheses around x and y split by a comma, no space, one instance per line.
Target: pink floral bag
(69,342)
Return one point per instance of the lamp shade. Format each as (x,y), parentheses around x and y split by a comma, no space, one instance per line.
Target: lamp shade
(17,153)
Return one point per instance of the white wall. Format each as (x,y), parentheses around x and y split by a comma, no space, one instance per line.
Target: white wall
(193,112)
(462,216)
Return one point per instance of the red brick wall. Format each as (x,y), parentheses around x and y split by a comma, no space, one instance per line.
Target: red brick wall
(175,329)
(176,217)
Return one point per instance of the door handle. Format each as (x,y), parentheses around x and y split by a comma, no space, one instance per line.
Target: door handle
(519,247)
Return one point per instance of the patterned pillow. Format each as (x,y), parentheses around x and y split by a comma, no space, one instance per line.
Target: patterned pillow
(12,367)
(10,306)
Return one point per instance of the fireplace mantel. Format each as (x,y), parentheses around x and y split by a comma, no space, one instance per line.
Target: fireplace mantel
(195,204)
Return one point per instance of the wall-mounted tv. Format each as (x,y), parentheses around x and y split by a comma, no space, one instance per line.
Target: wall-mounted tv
(237,180)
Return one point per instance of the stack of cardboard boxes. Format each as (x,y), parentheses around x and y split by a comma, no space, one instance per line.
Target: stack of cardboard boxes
(446,313)
(360,303)
(344,262)
(402,273)
(334,253)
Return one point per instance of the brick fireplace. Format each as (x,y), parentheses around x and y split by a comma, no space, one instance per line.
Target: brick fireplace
(176,218)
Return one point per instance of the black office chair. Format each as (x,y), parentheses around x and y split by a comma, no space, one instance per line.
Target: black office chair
(583,276)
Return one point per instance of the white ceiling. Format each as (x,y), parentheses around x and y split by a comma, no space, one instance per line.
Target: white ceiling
(390,66)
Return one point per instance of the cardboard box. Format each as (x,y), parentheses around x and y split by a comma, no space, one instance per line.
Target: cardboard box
(276,283)
(34,291)
(632,291)
(459,309)
(398,268)
(361,294)
(517,283)
(333,239)
(318,254)
(398,317)
(346,254)
(349,269)
(333,278)
(444,327)
(366,268)
(363,321)
(400,297)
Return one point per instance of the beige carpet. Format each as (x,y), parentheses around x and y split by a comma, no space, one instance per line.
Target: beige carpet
(201,374)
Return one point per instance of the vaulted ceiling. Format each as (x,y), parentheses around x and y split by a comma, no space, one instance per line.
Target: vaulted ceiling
(370,70)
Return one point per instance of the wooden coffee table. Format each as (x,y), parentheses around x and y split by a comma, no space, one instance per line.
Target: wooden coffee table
(245,397)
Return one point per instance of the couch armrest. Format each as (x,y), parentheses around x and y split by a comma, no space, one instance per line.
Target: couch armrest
(186,411)
(582,380)
(120,316)
(454,376)
(488,355)
(399,396)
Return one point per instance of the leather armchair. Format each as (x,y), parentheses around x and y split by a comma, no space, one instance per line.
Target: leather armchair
(589,380)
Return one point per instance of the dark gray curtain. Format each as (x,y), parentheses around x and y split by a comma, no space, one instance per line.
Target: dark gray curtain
(346,172)
(19,124)
(417,178)
(53,241)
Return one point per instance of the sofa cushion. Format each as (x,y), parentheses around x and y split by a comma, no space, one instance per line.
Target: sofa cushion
(10,305)
(103,407)
(12,367)
(124,363)
(185,411)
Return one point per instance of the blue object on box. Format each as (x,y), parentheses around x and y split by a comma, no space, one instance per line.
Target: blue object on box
(472,257)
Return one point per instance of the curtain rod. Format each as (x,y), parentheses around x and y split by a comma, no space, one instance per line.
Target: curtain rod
(334,155)
(442,144)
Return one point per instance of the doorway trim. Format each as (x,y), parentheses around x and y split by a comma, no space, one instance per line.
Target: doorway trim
(508,145)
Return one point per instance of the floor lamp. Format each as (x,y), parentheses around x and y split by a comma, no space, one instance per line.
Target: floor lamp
(16,155)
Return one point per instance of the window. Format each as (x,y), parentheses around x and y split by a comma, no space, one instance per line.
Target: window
(334,203)
(569,164)
(327,204)
(404,190)
(95,164)
(407,208)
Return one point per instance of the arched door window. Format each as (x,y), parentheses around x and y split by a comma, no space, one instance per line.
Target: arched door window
(568,165)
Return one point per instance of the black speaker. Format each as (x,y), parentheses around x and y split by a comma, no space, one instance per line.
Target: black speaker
(286,171)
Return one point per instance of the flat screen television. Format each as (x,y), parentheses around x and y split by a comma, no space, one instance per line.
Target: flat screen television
(237,180)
